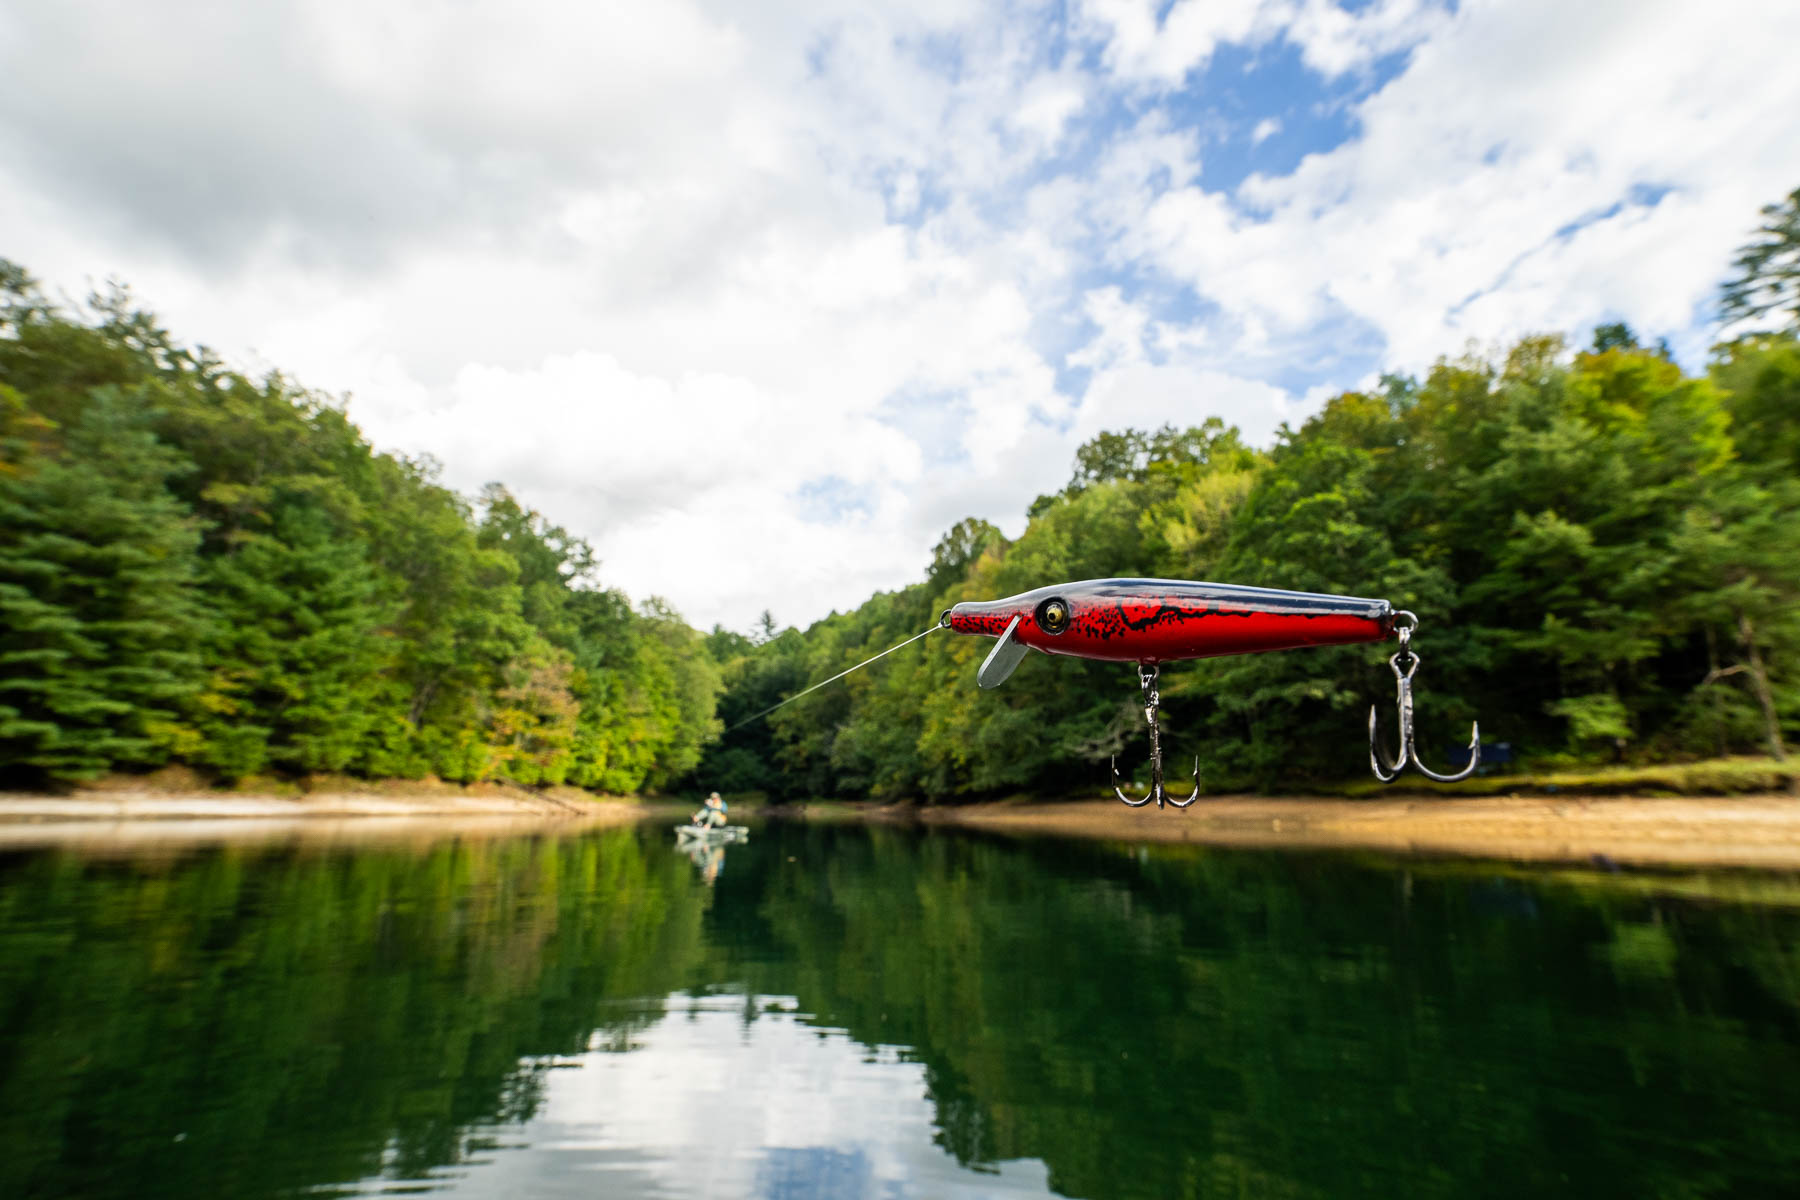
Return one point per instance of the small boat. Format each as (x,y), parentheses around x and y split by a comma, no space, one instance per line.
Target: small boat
(712,833)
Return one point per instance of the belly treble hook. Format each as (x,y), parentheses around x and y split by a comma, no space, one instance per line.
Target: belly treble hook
(1147,673)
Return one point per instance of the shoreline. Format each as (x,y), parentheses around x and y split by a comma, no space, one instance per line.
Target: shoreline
(125,818)
(1760,832)
(146,805)
(1753,831)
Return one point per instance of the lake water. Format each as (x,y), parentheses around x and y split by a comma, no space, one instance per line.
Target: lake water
(843,1011)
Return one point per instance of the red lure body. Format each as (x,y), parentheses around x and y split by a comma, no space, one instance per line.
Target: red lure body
(1163,620)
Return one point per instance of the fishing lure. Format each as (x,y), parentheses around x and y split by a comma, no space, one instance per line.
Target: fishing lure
(1153,621)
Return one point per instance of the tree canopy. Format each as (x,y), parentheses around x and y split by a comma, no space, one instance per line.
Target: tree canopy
(201,567)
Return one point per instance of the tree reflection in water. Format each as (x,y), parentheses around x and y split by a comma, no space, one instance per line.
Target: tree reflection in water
(1175,1022)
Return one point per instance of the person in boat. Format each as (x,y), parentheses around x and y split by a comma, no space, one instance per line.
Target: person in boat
(712,813)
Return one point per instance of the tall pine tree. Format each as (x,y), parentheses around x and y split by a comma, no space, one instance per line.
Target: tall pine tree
(301,671)
(98,617)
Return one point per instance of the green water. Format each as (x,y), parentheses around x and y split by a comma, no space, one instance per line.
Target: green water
(855,1012)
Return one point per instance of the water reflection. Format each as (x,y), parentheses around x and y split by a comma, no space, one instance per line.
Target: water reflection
(869,1012)
(732,1098)
(708,857)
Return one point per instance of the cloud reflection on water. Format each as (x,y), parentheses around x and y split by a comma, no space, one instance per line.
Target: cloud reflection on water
(709,1103)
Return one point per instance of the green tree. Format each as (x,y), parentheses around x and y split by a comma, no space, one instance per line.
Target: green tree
(1739,584)
(458,624)
(347,612)
(1615,336)
(959,548)
(1767,278)
(301,658)
(98,612)
(754,676)
(1760,374)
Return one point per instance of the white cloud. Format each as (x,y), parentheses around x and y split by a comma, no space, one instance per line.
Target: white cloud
(1141,46)
(1046,105)
(1447,219)
(1334,40)
(1147,396)
(1146,48)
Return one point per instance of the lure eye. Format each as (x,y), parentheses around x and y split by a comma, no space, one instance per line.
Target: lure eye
(1053,615)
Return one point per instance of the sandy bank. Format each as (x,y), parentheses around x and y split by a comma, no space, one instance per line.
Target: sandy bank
(124,818)
(1747,831)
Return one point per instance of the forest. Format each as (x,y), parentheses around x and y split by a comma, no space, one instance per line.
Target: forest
(204,568)
(1603,550)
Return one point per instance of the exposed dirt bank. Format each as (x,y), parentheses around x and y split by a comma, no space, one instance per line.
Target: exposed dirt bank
(123,818)
(1748,831)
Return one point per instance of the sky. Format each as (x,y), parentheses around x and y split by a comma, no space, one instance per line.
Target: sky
(762,298)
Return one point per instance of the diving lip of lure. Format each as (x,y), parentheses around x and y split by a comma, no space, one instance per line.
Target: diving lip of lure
(1002,659)
(1163,620)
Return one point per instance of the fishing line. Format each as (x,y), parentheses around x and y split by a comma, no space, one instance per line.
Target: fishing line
(815,687)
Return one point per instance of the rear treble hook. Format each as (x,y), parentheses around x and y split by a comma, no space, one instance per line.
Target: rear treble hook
(1387,770)
(1147,673)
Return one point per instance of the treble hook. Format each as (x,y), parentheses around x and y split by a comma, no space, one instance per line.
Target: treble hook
(1147,673)
(1387,770)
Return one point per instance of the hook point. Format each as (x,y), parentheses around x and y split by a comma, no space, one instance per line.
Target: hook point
(1147,673)
(1388,769)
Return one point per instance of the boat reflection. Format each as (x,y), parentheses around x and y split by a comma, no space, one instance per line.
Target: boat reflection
(705,847)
